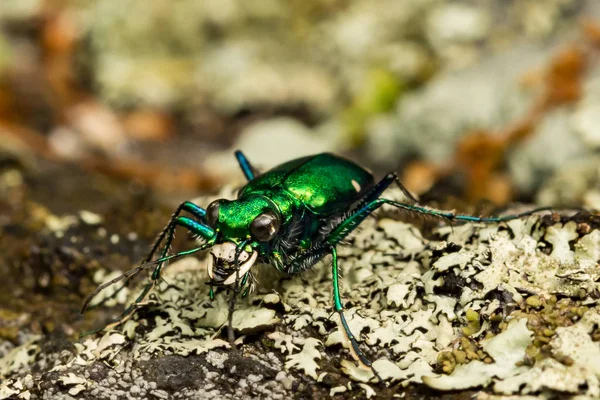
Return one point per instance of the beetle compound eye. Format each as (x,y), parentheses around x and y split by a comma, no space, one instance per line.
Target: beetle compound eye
(212,214)
(265,226)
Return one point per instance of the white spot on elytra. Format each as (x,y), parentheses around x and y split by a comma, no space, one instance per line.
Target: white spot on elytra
(356,185)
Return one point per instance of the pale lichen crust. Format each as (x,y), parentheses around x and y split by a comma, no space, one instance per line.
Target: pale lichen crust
(509,308)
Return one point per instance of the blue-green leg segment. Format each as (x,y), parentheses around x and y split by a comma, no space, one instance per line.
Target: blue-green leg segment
(354,220)
(128,311)
(246,289)
(136,270)
(364,208)
(195,227)
(339,308)
(196,211)
(247,169)
(381,186)
(309,258)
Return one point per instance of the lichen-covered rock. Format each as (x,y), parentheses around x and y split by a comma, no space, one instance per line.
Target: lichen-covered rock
(575,184)
(462,101)
(536,159)
(474,305)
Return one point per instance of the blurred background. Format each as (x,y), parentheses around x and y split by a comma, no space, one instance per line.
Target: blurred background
(489,100)
(114,111)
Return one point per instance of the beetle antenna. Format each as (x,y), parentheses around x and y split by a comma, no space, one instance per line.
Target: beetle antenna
(126,275)
(133,272)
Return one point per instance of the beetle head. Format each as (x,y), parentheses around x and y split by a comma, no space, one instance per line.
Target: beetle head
(254,219)
(244,227)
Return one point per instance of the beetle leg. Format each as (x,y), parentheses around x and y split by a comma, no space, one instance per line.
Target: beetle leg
(348,225)
(132,272)
(449,215)
(126,314)
(245,287)
(167,232)
(196,211)
(404,190)
(195,227)
(339,308)
(381,186)
(387,181)
(247,168)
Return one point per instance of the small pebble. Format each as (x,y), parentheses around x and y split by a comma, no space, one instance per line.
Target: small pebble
(533,301)
(90,218)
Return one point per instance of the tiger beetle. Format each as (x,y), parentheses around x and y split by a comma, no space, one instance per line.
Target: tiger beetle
(289,217)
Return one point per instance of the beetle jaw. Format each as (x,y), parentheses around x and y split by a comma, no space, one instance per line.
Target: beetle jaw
(221,263)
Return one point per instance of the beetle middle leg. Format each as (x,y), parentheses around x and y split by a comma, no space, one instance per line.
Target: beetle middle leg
(303,262)
(339,308)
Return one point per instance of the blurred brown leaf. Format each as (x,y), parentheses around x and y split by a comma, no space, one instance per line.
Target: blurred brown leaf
(591,31)
(148,125)
(480,155)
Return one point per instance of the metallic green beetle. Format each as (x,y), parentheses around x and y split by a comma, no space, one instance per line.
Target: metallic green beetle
(290,217)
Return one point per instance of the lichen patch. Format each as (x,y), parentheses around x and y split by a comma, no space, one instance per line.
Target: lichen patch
(511,308)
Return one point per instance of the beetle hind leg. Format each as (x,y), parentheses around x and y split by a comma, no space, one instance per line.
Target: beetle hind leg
(448,215)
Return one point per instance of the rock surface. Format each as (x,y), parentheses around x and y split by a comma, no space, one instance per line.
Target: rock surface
(509,308)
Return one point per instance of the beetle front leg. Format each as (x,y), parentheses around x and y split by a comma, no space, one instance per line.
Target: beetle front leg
(196,211)
(195,227)
(244,289)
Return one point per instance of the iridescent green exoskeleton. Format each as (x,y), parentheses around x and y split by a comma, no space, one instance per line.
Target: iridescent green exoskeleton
(290,217)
